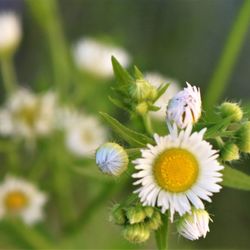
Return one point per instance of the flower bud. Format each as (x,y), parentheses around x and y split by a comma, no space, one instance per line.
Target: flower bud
(142,108)
(243,137)
(149,211)
(118,215)
(194,225)
(112,159)
(135,214)
(155,221)
(136,233)
(142,91)
(230,109)
(230,152)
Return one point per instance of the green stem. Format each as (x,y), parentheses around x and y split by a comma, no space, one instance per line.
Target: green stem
(228,58)
(8,74)
(147,124)
(161,235)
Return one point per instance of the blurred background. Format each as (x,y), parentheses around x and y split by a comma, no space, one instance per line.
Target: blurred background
(179,39)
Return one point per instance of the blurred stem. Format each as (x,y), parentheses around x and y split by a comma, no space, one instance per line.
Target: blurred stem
(147,124)
(228,58)
(161,235)
(8,74)
(47,14)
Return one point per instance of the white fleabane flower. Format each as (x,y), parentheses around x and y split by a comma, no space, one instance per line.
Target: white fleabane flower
(22,199)
(194,225)
(95,57)
(85,136)
(10,32)
(156,80)
(185,107)
(112,159)
(180,170)
(27,115)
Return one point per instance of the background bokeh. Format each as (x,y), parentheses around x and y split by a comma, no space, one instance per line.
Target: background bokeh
(182,39)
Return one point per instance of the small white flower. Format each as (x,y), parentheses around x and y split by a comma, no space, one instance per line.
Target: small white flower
(112,159)
(180,170)
(10,32)
(27,115)
(194,225)
(95,57)
(22,199)
(185,107)
(156,80)
(85,136)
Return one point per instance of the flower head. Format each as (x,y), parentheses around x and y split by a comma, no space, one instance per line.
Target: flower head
(112,159)
(95,57)
(194,225)
(180,170)
(156,80)
(185,107)
(20,198)
(10,34)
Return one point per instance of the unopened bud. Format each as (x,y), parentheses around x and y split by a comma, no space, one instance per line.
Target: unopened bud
(155,221)
(230,109)
(149,211)
(136,233)
(230,152)
(118,215)
(142,108)
(243,137)
(135,214)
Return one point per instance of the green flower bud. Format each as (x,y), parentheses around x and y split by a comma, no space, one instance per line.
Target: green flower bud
(142,91)
(135,214)
(118,215)
(149,211)
(233,110)
(230,152)
(243,137)
(136,233)
(155,221)
(142,108)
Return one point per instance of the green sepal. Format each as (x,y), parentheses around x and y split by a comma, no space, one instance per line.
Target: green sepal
(161,90)
(137,73)
(236,179)
(153,108)
(131,137)
(119,104)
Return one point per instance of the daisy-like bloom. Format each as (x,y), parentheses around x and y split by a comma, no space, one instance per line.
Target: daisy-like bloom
(112,159)
(10,32)
(22,199)
(180,170)
(185,107)
(26,114)
(156,80)
(85,135)
(95,57)
(194,225)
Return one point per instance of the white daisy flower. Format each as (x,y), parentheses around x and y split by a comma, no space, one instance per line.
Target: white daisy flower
(180,170)
(95,57)
(22,199)
(194,225)
(156,80)
(26,114)
(112,159)
(85,136)
(185,107)
(10,32)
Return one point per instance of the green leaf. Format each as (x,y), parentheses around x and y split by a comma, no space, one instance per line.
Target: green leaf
(161,90)
(122,76)
(119,104)
(133,138)
(235,179)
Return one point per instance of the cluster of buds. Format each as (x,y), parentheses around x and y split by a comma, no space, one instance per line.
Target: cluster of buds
(137,221)
(239,130)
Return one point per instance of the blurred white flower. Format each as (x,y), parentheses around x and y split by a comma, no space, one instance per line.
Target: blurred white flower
(27,115)
(10,32)
(95,57)
(185,107)
(85,135)
(22,199)
(156,80)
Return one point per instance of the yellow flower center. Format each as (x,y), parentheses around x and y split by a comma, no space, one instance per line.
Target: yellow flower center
(15,201)
(176,170)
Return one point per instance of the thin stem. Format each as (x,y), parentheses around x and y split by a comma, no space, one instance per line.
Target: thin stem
(228,58)
(161,235)
(8,74)
(147,124)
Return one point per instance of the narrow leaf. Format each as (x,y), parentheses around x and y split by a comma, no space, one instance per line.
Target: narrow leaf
(235,179)
(133,138)
(161,90)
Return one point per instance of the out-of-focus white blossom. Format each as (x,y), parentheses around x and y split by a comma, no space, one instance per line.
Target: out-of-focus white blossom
(156,80)
(95,57)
